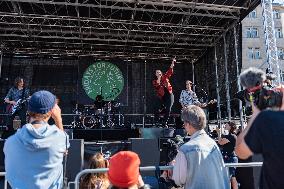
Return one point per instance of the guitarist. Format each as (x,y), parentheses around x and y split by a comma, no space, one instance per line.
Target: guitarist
(189,97)
(17,92)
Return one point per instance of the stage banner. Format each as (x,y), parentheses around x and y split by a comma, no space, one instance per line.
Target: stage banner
(102,78)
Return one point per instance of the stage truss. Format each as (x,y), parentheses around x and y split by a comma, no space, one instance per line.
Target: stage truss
(125,29)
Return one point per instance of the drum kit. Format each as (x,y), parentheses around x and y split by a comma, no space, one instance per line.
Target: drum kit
(90,117)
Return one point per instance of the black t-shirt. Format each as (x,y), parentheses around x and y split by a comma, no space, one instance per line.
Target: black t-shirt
(266,137)
(229,148)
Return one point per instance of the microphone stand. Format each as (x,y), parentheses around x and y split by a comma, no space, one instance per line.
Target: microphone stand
(204,92)
(206,96)
(206,111)
(144,110)
(101,106)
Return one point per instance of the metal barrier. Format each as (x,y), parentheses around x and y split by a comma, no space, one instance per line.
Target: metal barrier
(148,168)
(2,174)
(153,168)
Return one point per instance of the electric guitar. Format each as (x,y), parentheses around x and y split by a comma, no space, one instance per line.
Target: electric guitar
(12,109)
(204,105)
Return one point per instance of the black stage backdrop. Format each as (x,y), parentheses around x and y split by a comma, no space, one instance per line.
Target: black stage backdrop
(64,78)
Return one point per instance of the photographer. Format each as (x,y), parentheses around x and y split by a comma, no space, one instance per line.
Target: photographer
(264,133)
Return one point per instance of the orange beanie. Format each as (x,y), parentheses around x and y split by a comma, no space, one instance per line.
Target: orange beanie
(124,169)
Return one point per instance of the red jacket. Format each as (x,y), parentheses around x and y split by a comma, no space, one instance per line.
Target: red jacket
(165,82)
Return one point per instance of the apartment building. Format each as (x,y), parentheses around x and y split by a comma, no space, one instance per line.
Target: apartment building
(253,38)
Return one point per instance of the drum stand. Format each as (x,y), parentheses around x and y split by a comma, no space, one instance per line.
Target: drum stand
(120,119)
(75,123)
(101,118)
(109,123)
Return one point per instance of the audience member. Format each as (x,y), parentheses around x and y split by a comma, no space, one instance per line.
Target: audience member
(199,163)
(34,154)
(264,135)
(96,180)
(124,171)
(227,144)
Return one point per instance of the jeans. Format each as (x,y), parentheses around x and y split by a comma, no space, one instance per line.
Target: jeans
(166,104)
(231,159)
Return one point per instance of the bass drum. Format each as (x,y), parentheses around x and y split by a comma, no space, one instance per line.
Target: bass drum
(89,122)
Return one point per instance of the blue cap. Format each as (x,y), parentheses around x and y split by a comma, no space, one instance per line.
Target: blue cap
(41,102)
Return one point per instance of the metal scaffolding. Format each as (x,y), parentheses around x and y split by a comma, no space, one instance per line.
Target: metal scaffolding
(270,39)
(127,29)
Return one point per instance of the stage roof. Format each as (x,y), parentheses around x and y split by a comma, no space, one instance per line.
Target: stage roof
(125,29)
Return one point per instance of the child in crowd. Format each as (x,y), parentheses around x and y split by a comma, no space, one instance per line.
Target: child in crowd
(96,180)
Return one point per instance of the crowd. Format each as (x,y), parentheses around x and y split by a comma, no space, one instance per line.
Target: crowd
(38,149)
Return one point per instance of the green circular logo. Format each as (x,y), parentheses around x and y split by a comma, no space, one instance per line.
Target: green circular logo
(103,78)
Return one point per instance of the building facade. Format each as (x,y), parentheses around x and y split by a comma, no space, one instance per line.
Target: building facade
(253,38)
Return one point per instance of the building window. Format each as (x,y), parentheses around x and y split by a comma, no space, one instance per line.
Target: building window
(253,53)
(250,53)
(276,14)
(256,53)
(252,32)
(252,14)
(280,53)
(282,75)
(278,33)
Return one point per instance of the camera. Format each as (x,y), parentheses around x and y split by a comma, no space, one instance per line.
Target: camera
(170,149)
(259,90)
(267,97)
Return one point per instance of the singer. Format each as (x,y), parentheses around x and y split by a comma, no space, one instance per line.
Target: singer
(164,92)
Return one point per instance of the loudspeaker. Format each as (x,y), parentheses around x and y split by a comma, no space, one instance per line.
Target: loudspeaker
(148,151)
(75,158)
